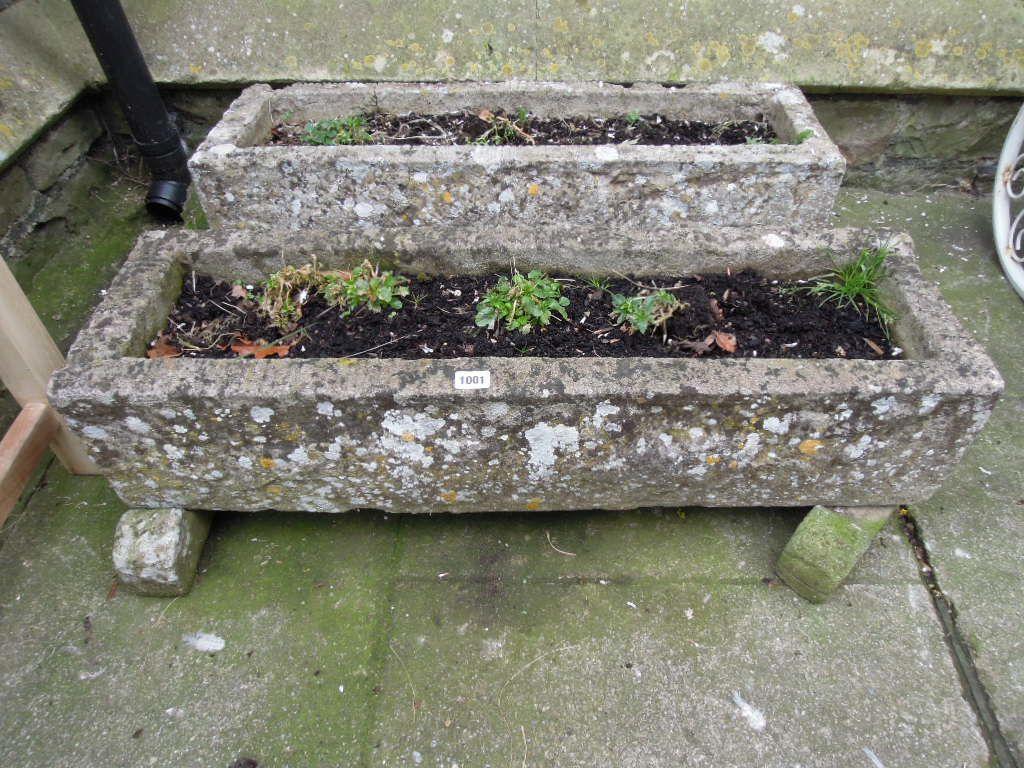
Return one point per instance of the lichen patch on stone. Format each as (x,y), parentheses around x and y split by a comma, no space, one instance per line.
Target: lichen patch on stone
(544,440)
(261,414)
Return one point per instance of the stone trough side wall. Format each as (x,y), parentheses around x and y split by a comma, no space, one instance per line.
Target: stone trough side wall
(331,435)
(242,183)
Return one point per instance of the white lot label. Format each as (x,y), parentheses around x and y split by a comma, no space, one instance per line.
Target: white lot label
(472,379)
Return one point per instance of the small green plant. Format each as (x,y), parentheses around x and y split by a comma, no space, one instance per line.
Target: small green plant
(644,311)
(598,283)
(633,117)
(803,136)
(365,286)
(341,130)
(856,285)
(286,291)
(522,303)
(504,130)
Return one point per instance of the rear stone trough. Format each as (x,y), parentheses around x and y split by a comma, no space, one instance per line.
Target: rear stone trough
(330,435)
(244,183)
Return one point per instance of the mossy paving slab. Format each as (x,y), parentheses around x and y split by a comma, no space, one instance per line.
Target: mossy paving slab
(668,675)
(893,46)
(730,545)
(299,602)
(974,526)
(974,530)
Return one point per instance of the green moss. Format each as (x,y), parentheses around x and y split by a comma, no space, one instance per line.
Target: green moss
(298,599)
(194,215)
(65,263)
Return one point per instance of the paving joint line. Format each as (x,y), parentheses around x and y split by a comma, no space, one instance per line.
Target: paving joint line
(974,690)
(380,656)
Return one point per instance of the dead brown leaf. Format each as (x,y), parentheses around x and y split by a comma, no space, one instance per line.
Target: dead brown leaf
(486,115)
(699,347)
(239,292)
(716,311)
(162,347)
(259,349)
(725,341)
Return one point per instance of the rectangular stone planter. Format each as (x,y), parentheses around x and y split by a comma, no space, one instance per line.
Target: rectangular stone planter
(244,183)
(334,434)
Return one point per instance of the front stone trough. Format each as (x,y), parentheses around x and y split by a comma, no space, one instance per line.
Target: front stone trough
(242,182)
(489,434)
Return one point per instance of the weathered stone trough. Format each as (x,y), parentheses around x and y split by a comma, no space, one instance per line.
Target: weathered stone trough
(244,183)
(331,435)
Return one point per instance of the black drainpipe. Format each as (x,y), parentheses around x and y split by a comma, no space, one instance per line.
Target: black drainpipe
(158,141)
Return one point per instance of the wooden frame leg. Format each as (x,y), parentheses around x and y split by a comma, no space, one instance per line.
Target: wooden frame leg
(27,358)
(20,451)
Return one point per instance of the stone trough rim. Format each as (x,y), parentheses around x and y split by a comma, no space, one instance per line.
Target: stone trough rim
(97,360)
(233,133)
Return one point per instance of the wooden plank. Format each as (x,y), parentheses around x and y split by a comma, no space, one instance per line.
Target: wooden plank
(27,358)
(21,449)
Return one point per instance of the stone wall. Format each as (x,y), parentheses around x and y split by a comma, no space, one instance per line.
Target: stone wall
(904,143)
(31,188)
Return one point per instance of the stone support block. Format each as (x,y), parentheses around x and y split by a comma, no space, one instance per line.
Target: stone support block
(156,550)
(826,546)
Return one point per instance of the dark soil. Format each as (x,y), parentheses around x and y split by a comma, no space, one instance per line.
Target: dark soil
(765,316)
(467,128)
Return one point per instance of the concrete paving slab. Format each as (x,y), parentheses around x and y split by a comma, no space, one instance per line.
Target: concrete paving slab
(668,675)
(272,656)
(974,526)
(45,62)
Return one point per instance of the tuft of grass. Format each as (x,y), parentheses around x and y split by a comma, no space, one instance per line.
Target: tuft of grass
(856,285)
(341,130)
(644,311)
(522,303)
(633,117)
(599,283)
